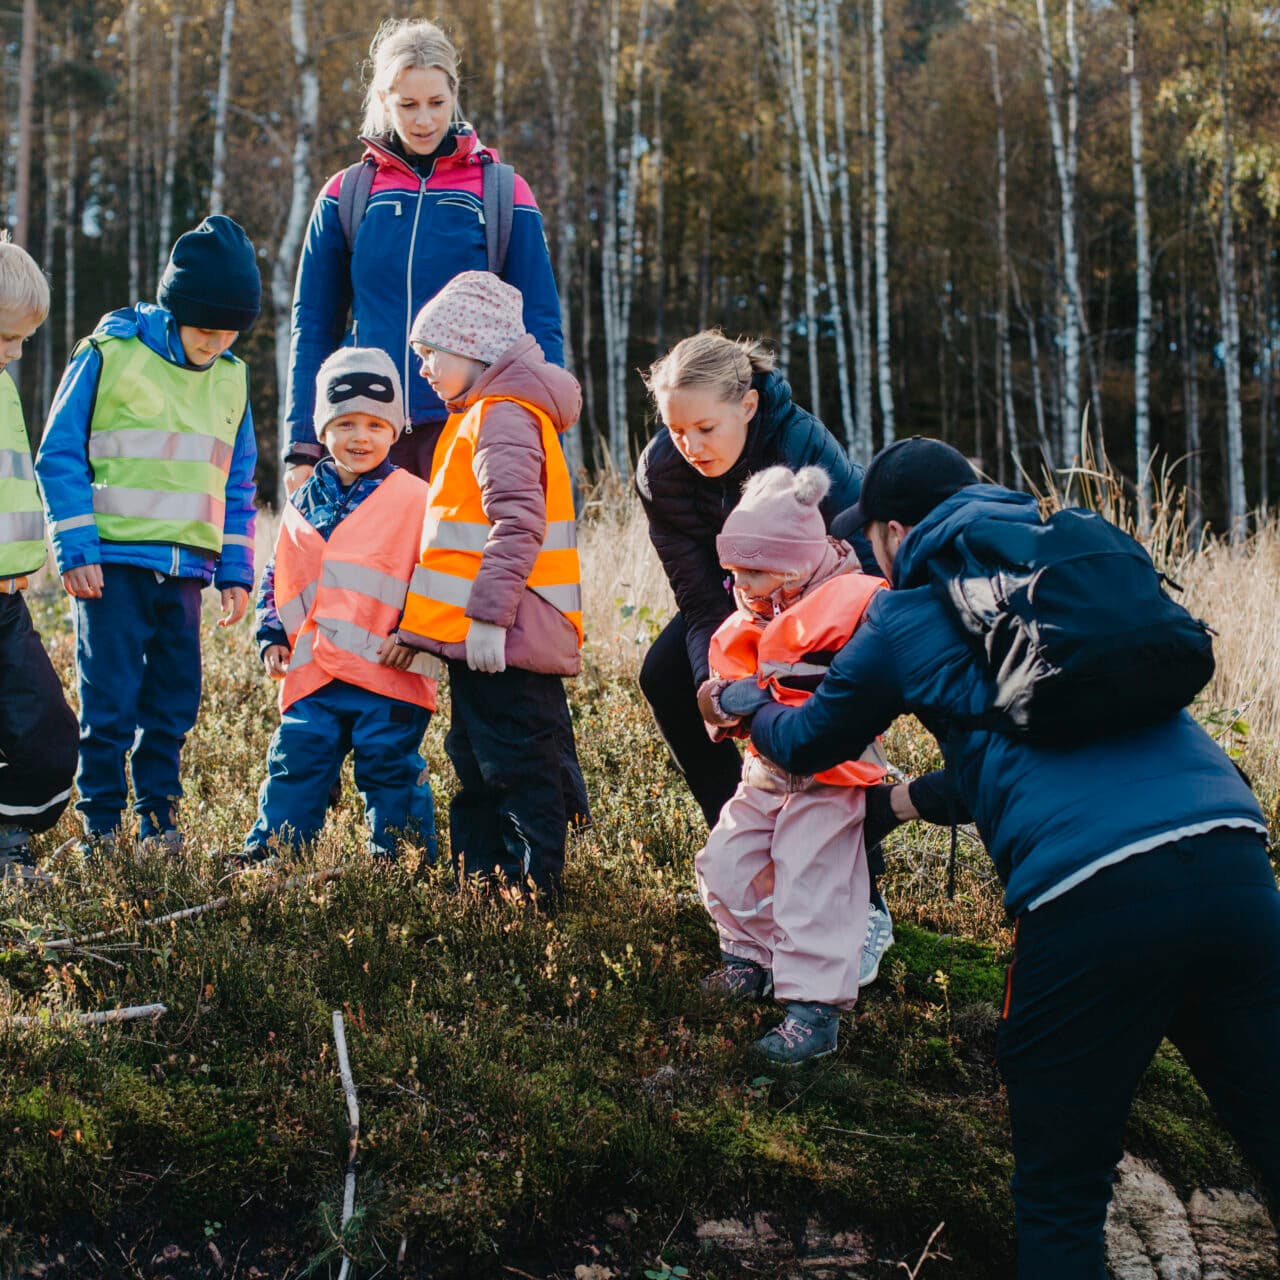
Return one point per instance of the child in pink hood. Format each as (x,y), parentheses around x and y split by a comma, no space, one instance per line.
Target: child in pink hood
(784,871)
(497,592)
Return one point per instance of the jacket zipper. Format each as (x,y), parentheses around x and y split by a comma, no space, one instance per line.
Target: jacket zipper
(408,288)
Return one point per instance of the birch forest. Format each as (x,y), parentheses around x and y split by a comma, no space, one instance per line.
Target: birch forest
(1040,229)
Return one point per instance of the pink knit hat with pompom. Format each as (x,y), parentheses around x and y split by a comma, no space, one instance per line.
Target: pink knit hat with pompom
(777,526)
(475,315)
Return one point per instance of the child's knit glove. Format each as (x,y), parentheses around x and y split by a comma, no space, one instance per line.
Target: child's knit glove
(486,646)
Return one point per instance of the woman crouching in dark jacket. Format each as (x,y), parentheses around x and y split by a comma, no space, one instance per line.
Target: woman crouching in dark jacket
(727,413)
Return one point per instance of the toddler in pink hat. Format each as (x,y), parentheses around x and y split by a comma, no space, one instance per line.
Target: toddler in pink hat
(784,871)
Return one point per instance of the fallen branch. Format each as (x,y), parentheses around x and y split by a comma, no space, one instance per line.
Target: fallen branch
(187,913)
(98,1019)
(353,1114)
(927,1256)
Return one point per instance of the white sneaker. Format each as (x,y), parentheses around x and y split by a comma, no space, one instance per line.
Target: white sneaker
(879,939)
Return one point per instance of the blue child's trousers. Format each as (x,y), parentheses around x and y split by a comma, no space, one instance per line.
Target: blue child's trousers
(305,760)
(138,671)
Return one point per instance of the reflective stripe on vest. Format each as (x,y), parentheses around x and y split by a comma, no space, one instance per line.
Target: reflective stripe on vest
(161,443)
(457,531)
(819,623)
(22,548)
(339,600)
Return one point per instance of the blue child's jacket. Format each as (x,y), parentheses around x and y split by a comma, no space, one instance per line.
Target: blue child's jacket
(66,478)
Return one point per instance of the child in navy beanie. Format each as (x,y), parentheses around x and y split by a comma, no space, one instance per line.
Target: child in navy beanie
(211,280)
(146,470)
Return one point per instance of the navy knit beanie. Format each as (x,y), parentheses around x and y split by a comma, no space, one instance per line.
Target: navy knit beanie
(211,280)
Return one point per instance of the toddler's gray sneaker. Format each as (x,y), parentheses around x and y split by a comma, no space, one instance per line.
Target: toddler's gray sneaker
(878,940)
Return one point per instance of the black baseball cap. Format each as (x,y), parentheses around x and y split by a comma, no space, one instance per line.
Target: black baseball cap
(906,480)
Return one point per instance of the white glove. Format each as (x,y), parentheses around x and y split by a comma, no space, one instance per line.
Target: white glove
(486,647)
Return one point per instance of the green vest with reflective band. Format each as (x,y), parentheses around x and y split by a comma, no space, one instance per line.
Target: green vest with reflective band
(160,445)
(21,517)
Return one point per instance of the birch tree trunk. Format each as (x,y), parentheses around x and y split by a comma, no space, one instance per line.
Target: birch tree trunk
(1142,235)
(306,111)
(1064,159)
(630,240)
(1190,366)
(561,138)
(47,249)
(810,290)
(1004,364)
(1229,304)
(498,27)
(660,218)
(218,179)
(882,224)
(785,321)
(1037,386)
(862,447)
(865,252)
(70,332)
(814,170)
(135,188)
(609,282)
(171,140)
(1263,282)
(26,120)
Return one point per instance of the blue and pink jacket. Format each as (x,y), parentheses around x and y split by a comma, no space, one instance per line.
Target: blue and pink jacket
(420,229)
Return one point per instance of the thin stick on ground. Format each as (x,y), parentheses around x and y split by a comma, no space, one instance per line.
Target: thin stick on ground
(353,1114)
(187,913)
(100,1018)
(927,1255)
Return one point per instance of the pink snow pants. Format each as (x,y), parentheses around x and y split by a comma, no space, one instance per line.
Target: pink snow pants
(784,876)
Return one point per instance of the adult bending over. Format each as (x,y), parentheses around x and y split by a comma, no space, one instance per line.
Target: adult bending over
(726,413)
(1121,859)
(422,226)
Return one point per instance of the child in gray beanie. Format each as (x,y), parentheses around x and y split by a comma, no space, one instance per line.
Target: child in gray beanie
(329,606)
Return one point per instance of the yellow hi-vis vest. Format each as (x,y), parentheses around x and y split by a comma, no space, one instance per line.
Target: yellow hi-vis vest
(21,517)
(160,445)
(456,531)
(338,600)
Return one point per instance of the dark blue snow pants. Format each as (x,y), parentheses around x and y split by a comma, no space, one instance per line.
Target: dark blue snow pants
(138,667)
(1183,942)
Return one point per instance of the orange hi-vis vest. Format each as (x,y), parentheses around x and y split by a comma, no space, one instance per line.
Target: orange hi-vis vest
(457,530)
(790,654)
(338,600)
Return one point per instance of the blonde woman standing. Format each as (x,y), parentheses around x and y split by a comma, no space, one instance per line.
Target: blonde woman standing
(423,223)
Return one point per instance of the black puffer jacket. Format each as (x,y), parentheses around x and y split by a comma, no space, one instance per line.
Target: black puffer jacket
(686,510)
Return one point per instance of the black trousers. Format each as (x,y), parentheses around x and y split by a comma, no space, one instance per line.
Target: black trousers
(39,733)
(1182,942)
(510,741)
(666,679)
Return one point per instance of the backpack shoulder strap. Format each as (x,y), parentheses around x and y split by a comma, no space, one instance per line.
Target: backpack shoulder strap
(499,188)
(353,198)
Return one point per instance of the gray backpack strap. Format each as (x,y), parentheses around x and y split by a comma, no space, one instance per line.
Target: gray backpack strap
(353,198)
(499,187)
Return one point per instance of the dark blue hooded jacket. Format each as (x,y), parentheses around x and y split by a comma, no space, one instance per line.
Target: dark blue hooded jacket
(1049,816)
